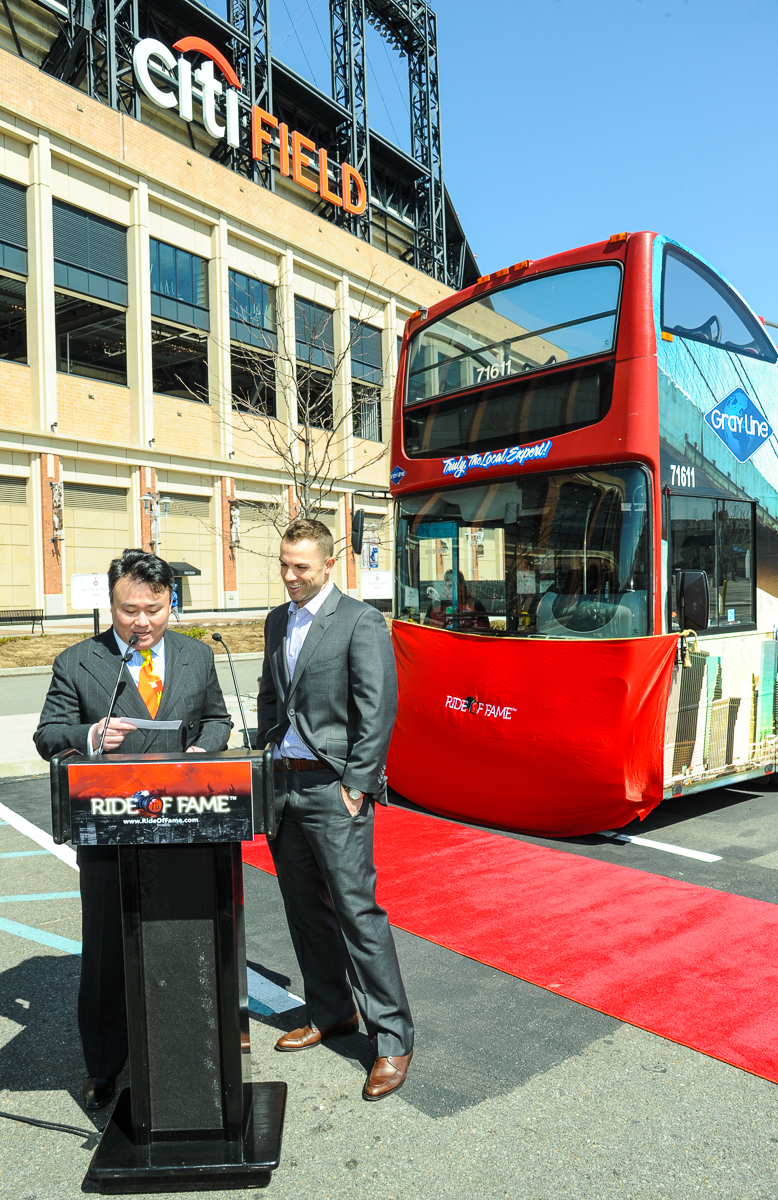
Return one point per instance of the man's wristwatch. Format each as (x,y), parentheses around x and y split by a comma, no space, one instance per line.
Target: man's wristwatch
(355,794)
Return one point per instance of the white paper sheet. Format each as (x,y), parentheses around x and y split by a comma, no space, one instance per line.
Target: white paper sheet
(141,723)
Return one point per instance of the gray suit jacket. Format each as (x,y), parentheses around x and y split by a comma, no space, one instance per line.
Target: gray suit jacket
(83,680)
(343,698)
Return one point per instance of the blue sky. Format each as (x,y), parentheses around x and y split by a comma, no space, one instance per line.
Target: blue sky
(567,120)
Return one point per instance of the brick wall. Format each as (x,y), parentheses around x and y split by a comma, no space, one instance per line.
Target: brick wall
(90,408)
(229,566)
(148,484)
(52,556)
(16,393)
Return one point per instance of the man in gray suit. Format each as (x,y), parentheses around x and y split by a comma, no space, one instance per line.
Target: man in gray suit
(171,677)
(328,699)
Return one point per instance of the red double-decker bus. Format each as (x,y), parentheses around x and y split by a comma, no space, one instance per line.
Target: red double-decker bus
(583,447)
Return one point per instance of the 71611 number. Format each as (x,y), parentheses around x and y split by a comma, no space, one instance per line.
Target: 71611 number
(682,476)
(495,371)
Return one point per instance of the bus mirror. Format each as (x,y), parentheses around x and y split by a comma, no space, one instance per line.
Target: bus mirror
(693,595)
(357,530)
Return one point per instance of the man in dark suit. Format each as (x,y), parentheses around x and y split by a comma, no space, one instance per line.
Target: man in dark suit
(328,699)
(171,677)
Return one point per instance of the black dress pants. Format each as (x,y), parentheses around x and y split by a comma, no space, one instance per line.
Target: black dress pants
(102,1011)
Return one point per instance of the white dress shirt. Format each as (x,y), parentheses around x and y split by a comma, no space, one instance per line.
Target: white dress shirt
(134,666)
(300,621)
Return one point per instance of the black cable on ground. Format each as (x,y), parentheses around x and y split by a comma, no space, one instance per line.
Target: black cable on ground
(85,1133)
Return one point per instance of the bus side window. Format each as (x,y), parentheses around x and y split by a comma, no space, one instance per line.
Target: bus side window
(698,305)
(715,536)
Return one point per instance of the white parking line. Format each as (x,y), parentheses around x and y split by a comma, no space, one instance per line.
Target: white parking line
(270,995)
(66,853)
(641,841)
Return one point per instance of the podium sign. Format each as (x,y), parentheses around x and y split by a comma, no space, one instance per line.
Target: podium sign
(142,803)
(191,1119)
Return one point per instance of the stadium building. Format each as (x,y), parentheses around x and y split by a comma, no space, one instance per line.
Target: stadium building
(206,263)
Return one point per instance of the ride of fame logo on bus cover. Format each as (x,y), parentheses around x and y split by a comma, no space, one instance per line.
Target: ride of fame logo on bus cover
(512,456)
(740,425)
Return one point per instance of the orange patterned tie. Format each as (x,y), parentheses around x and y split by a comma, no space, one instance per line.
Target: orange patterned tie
(149,684)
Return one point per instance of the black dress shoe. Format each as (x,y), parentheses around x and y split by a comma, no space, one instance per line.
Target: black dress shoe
(98,1091)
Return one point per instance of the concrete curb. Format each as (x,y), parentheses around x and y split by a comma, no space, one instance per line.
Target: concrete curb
(35,766)
(257,654)
(25,671)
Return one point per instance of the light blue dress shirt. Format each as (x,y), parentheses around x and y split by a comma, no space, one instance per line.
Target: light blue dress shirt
(300,621)
(134,666)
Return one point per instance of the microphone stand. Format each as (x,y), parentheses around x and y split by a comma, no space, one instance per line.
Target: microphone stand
(217,637)
(125,659)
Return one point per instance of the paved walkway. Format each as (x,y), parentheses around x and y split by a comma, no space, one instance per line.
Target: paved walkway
(514,1094)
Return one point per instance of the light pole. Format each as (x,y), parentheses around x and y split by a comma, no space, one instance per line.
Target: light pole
(156,506)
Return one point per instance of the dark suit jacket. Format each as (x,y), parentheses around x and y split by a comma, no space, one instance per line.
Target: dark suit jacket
(343,698)
(83,680)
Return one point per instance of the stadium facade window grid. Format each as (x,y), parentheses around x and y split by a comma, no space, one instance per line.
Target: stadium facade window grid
(90,254)
(253,381)
(252,312)
(13,227)
(179,285)
(315,345)
(13,319)
(179,362)
(315,350)
(91,339)
(367,379)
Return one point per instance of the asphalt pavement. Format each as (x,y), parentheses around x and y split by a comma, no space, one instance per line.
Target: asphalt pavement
(514,1092)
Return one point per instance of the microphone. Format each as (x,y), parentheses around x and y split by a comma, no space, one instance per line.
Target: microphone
(217,637)
(132,643)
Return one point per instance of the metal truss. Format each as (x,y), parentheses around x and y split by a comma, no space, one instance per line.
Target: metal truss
(411,27)
(347,40)
(93,51)
(250,49)
(94,48)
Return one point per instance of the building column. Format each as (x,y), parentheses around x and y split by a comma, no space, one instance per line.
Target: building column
(139,368)
(286,395)
(35,533)
(41,314)
(390,378)
(54,604)
(341,395)
(229,547)
(219,369)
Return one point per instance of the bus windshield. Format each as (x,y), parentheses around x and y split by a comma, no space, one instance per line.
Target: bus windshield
(555,555)
(524,327)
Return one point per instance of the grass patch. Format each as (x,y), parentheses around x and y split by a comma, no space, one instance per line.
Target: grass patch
(242,637)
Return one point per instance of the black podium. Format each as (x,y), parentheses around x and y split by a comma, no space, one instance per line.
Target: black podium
(191,1119)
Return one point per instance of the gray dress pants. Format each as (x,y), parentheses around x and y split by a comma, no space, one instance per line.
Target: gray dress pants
(324,860)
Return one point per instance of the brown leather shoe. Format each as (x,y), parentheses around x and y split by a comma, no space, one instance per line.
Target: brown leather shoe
(309,1035)
(387,1075)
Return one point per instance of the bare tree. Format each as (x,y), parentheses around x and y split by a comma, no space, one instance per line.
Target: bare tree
(309,448)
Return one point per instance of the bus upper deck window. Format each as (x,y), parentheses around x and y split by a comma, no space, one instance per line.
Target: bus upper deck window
(698,305)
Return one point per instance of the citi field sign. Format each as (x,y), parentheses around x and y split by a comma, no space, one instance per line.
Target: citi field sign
(266,130)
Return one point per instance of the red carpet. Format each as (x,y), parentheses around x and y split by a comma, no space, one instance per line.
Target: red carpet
(697,966)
